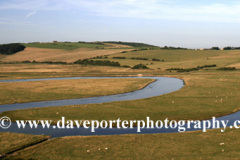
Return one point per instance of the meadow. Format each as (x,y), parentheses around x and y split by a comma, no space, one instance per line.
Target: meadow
(179,58)
(207,92)
(20,92)
(184,146)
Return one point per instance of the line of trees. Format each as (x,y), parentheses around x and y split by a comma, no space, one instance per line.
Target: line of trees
(11,48)
(97,62)
(225,48)
(191,69)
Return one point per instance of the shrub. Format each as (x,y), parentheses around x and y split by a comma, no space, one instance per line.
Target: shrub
(119,57)
(139,58)
(227,68)
(154,59)
(140,66)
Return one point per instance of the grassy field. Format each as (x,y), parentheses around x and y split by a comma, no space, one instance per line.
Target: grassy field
(44,54)
(208,92)
(191,145)
(19,92)
(22,71)
(179,58)
(204,96)
(75,45)
(10,142)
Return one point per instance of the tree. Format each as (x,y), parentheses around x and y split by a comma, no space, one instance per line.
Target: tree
(227,48)
(215,48)
(11,48)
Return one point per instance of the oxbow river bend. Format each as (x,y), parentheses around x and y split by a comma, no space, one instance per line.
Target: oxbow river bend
(162,85)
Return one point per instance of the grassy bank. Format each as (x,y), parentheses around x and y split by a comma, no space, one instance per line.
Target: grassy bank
(19,92)
(191,145)
(10,142)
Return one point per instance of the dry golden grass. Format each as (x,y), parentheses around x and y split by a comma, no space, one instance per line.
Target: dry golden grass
(55,68)
(237,65)
(18,92)
(2,56)
(23,71)
(43,54)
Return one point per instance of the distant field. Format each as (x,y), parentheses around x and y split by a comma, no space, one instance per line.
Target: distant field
(43,54)
(178,58)
(172,55)
(62,45)
(74,45)
(19,92)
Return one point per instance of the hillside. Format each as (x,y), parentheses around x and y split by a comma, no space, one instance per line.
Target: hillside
(76,45)
(44,54)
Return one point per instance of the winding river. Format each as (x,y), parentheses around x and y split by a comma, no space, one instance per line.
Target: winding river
(162,85)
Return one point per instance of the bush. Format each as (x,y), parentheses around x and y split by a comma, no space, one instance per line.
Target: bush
(8,49)
(188,70)
(227,68)
(140,66)
(206,66)
(119,57)
(215,48)
(175,69)
(191,69)
(46,62)
(100,57)
(154,59)
(139,58)
(227,48)
(183,70)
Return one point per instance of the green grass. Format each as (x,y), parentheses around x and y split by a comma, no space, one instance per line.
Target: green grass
(63,45)
(10,142)
(191,145)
